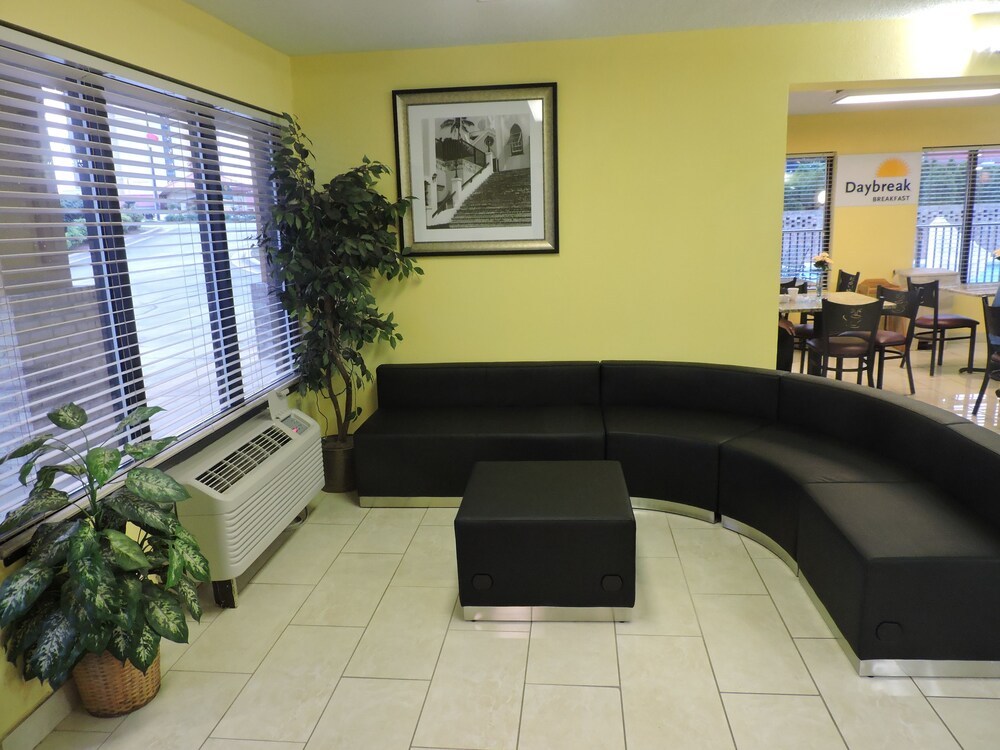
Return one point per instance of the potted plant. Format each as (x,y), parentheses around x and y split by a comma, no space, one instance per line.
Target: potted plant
(95,596)
(328,246)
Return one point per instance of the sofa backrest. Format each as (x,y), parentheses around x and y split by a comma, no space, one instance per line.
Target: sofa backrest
(741,391)
(967,466)
(488,384)
(885,425)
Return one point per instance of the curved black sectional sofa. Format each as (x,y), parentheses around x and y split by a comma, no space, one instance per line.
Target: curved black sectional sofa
(886,506)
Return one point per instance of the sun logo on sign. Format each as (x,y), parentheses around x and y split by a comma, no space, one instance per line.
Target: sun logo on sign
(892,168)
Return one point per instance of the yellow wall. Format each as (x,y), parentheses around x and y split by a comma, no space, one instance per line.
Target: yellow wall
(187,45)
(876,240)
(671,153)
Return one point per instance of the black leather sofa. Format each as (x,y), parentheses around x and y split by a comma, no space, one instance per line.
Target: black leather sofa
(885,505)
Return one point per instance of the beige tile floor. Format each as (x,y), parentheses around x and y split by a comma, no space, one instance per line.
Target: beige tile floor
(348,637)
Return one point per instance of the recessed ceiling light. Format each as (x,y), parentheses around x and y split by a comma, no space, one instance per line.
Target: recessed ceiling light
(914,96)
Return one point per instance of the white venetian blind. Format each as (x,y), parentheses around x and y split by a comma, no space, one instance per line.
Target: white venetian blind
(805,230)
(958,219)
(129,268)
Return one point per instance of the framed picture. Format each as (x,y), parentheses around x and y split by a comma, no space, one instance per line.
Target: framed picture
(480,165)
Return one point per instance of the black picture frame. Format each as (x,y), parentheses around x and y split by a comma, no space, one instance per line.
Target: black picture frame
(451,141)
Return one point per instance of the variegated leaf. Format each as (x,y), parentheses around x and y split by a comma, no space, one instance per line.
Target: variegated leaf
(188,595)
(84,543)
(50,542)
(194,562)
(21,635)
(96,586)
(142,513)
(54,646)
(21,589)
(103,463)
(131,595)
(25,472)
(165,615)
(138,416)
(95,640)
(175,566)
(144,648)
(27,449)
(120,643)
(68,417)
(78,607)
(43,501)
(155,486)
(128,553)
(185,536)
(148,448)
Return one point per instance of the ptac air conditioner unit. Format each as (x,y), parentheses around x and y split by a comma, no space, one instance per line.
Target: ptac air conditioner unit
(246,488)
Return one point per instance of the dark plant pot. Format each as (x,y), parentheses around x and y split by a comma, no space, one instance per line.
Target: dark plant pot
(338,465)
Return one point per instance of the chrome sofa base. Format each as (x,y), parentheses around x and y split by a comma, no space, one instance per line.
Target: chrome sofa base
(668,506)
(762,539)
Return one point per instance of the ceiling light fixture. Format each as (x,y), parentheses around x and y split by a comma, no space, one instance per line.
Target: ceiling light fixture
(914,96)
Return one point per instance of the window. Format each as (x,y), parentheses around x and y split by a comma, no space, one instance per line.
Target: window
(516,140)
(129,270)
(805,224)
(958,219)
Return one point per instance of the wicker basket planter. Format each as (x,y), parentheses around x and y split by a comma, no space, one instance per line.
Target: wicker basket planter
(109,688)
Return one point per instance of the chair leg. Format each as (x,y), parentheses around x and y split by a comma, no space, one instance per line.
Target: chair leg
(982,389)
(909,371)
(881,368)
(972,348)
(934,348)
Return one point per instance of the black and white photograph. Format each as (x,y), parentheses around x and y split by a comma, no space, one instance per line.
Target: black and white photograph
(479,164)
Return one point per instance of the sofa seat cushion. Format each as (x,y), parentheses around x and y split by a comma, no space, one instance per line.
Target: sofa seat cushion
(904,571)
(430,452)
(762,476)
(672,454)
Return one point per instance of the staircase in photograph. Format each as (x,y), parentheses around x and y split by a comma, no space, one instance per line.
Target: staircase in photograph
(504,200)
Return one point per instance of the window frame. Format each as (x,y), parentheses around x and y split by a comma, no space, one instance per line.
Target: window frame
(813,275)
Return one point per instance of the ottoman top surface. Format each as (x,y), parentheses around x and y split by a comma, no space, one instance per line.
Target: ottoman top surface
(536,490)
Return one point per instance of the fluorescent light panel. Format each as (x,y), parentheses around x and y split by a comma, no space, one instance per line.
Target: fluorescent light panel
(915,96)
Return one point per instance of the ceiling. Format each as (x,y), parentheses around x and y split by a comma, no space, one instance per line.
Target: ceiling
(307,27)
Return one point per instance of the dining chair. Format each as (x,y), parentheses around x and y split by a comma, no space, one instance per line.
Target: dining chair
(847,282)
(891,343)
(936,325)
(991,318)
(848,332)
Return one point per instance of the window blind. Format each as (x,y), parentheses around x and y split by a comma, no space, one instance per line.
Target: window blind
(130,272)
(805,231)
(958,218)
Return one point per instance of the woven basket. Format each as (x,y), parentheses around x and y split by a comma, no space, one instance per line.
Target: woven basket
(108,688)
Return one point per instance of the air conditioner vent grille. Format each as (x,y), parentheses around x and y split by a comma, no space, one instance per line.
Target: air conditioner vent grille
(242,461)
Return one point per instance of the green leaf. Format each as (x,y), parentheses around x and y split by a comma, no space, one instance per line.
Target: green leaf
(78,609)
(96,639)
(21,589)
(128,553)
(142,513)
(102,464)
(21,635)
(51,542)
(96,586)
(155,485)
(68,417)
(148,448)
(84,543)
(131,591)
(138,416)
(25,472)
(194,562)
(120,643)
(175,566)
(165,615)
(27,449)
(54,647)
(43,501)
(145,646)
(188,595)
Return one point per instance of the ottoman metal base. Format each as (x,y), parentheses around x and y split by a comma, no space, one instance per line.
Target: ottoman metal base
(546,535)
(547,614)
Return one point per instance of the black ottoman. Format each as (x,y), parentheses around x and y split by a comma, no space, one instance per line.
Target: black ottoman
(537,534)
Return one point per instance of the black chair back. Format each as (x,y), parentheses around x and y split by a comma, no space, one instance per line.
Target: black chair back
(844,320)
(927,293)
(847,282)
(991,316)
(905,304)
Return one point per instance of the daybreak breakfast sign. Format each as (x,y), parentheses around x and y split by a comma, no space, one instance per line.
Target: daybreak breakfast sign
(877,180)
